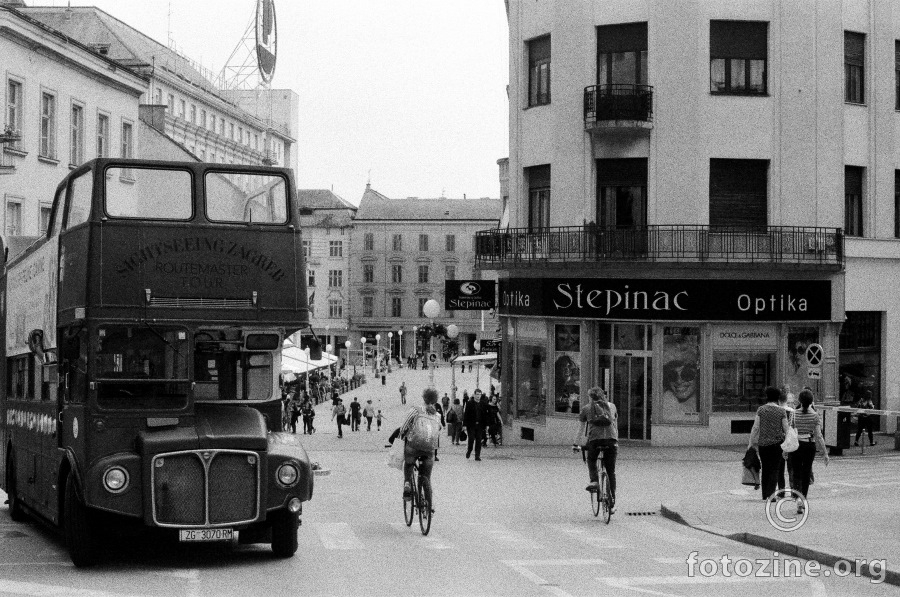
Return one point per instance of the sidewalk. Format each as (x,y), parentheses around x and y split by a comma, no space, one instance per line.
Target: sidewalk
(853,512)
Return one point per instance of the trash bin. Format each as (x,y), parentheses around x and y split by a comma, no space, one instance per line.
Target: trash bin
(837,427)
(384,380)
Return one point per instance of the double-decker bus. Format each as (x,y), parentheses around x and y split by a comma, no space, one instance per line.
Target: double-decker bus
(142,352)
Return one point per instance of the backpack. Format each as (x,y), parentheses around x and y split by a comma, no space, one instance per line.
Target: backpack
(424,432)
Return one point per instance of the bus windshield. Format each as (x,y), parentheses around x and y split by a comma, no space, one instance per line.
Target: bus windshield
(224,371)
(141,367)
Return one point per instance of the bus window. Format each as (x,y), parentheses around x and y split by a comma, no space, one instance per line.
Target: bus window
(73,351)
(223,371)
(141,367)
(148,193)
(246,197)
(80,200)
(49,376)
(57,214)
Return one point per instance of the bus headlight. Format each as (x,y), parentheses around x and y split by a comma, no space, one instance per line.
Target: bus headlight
(288,474)
(115,479)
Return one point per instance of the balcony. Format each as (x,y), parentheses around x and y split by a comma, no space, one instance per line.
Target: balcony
(817,248)
(618,108)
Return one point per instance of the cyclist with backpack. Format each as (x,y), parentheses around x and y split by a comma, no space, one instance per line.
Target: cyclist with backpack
(602,436)
(421,431)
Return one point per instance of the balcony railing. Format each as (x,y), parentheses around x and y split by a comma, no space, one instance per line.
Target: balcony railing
(618,105)
(789,245)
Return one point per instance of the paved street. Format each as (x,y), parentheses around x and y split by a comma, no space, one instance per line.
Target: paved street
(516,523)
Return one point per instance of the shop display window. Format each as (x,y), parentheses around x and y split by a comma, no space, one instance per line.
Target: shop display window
(795,368)
(859,371)
(567,369)
(739,379)
(680,402)
(531,387)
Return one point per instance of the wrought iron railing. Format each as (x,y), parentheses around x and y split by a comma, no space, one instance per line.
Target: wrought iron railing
(618,102)
(666,244)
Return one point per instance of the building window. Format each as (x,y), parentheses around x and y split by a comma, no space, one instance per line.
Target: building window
(76,150)
(13,218)
(860,358)
(222,126)
(127,140)
(854,67)
(335,248)
(14,108)
(335,308)
(102,135)
(897,75)
(539,71)
(231,130)
(255,141)
(397,243)
(423,274)
(306,244)
(193,114)
(312,304)
(311,278)
(182,109)
(203,118)
(157,98)
(538,178)
(44,216)
(451,243)
(48,125)
(368,273)
(423,242)
(622,200)
(422,302)
(396,306)
(896,203)
(368,242)
(449,272)
(738,57)
(335,278)
(738,193)
(853,200)
(171,104)
(622,54)
(368,306)
(397,274)
(212,122)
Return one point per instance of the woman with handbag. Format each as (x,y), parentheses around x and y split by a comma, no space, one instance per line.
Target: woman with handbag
(770,427)
(809,436)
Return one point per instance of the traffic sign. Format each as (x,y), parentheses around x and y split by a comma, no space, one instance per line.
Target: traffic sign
(432,357)
(814,372)
(814,355)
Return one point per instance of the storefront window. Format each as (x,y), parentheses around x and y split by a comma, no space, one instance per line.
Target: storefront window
(681,375)
(567,369)
(531,389)
(860,357)
(796,369)
(739,379)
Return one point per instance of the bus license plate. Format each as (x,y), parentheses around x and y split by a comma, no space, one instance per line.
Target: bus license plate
(205,535)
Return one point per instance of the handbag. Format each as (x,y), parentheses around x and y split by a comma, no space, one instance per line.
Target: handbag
(581,438)
(750,477)
(463,436)
(395,455)
(791,441)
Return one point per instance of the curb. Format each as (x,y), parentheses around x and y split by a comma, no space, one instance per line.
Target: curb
(891,577)
(321,472)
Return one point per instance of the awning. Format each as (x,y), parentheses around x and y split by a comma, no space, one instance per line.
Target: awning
(484,358)
(294,360)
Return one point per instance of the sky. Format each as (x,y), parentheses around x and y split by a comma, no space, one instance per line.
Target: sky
(410,94)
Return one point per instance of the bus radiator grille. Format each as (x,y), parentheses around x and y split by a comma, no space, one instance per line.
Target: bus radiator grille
(179,489)
(233,487)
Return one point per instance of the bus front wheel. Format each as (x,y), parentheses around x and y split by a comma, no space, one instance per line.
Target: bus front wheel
(284,533)
(15,505)
(81,540)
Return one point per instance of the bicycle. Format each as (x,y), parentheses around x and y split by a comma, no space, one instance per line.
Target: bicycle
(601,496)
(419,501)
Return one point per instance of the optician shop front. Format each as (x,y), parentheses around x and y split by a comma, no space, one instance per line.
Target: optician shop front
(685,361)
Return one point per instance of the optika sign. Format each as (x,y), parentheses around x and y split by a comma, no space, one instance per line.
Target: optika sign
(668,299)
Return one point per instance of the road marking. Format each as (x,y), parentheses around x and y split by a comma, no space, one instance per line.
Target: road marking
(671,560)
(41,590)
(522,567)
(583,534)
(498,532)
(431,541)
(635,583)
(682,539)
(337,535)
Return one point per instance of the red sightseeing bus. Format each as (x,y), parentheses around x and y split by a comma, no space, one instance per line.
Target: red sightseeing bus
(142,356)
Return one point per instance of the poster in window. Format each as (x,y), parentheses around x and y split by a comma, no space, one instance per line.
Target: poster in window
(681,375)
(796,368)
(567,369)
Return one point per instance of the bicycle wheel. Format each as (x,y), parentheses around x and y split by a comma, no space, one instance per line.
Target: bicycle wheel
(595,501)
(605,497)
(424,504)
(409,505)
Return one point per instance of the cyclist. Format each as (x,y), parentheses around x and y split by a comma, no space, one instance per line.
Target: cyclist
(410,454)
(602,435)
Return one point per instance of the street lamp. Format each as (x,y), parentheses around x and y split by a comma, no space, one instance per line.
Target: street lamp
(347,345)
(377,353)
(431,309)
(400,341)
(390,350)
(306,350)
(452,333)
(328,349)
(362,342)
(477,345)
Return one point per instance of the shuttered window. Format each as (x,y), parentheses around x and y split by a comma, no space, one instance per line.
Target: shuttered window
(854,67)
(853,200)
(539,71)
(896,203)
(738,57)
(897,75)
(622,54)
(738,193)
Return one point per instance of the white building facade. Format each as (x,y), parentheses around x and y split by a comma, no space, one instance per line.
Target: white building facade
(697,192)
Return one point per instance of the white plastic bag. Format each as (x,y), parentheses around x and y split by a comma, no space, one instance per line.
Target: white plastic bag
(791,441)
(395,455)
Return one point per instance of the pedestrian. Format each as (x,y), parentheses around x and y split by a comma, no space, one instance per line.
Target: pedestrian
(486,416)
(865,421)
(378,418)
(403,393)
(307,412)
(440,412)
(473,419)
(602,436)
(369,414)
(295,413)
(495,424)
(784,402)
(455,421)
(809,434)
(769,429)
(355,414)
(339,412)
(445,402)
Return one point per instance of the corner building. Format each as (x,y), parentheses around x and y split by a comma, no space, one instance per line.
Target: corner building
(697,192)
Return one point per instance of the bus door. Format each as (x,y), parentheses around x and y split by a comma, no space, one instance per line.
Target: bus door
(72,389)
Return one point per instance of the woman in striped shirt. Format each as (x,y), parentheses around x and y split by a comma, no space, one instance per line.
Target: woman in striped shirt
(809,432)
(769,430)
